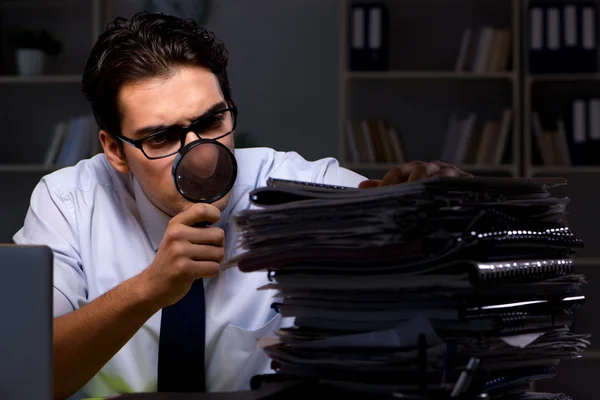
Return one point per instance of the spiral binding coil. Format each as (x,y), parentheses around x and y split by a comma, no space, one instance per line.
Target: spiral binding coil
(561,236)
(561,396)
(500,381)
(520,271)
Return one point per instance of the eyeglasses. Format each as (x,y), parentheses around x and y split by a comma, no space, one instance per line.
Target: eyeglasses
(167,142)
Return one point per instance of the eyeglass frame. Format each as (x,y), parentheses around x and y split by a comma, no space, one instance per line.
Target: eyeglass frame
(183,133)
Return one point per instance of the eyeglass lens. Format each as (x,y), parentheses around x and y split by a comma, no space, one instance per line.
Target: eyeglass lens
(169,141)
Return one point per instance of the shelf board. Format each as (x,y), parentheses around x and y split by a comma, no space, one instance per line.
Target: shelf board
(464,167)
(574,169)
(34,3)
(27,168)
(563,77)
(16,79)
(426,75)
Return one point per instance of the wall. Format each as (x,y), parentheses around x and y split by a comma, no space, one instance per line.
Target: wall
(283,69)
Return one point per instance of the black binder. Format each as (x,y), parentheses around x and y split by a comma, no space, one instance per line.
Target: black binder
(368,37)
(566,56)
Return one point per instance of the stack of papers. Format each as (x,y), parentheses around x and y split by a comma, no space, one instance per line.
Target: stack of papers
(404,289)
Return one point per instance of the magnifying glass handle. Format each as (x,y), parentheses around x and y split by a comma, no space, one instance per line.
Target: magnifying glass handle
(202,225)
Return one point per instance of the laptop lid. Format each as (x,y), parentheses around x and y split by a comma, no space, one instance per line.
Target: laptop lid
(26,329)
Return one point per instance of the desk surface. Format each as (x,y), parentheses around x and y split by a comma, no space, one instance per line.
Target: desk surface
(272,391)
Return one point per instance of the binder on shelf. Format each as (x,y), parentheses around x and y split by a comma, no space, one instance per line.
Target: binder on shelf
(369,37)
(562,37)
(2,46)
(577,125)
(570,35)
(589,32)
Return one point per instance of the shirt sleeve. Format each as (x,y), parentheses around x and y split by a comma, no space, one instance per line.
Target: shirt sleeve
(50,221)
(290,165)
(334,174)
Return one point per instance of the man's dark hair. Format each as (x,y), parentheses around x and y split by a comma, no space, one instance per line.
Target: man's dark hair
(147,45)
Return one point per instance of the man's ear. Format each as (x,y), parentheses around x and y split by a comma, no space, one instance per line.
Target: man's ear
(113,152)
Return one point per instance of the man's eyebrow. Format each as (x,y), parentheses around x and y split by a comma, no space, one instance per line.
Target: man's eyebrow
(147,130)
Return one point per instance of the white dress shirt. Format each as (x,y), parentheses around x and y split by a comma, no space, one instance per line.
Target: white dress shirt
(104,230)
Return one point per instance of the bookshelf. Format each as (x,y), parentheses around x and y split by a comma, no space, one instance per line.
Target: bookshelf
(52,97)
(549,95)
(64,78)
(426,75)
(411,94)
(547,99)
(438,76)
(27,168)
(424,86)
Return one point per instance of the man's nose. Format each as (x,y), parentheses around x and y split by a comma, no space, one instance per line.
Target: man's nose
(190,137)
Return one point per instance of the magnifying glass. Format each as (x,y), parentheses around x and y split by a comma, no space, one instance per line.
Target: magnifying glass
(204,171)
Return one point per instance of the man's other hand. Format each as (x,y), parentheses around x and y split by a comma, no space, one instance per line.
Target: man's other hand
(414,171)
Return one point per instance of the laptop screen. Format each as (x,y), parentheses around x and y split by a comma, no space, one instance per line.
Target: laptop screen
(26,329)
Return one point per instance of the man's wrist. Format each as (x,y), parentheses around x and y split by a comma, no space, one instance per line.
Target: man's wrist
(145,293)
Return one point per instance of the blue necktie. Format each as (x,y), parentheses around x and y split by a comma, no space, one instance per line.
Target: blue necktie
(181,343)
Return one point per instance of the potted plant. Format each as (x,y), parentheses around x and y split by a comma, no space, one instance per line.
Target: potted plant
(32,47)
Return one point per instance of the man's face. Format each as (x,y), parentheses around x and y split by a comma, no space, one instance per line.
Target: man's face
(179,99)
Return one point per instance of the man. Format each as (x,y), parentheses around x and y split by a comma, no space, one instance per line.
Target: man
(124,240)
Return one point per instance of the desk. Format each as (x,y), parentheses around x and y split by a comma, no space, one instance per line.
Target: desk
(272,391)
(287,390)
(275,391)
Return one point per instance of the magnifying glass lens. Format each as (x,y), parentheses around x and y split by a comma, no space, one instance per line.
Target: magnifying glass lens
(204,171)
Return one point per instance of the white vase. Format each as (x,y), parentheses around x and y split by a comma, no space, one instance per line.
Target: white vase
(30,61)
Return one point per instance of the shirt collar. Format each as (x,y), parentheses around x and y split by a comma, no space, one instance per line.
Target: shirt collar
(155,221)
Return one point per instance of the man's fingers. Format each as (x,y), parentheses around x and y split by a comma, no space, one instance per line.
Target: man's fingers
(452,172)
(206,253)
(211,235)
(409,172)
(423,170)
(198,213)
(203,269)
(396,175)
(415,171)
(370,183)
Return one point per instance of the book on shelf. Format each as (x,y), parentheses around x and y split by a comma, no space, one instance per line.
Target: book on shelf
(570,138)
(373,141)
(550,144)
(562,37)
(469,142)
(484,49)
(2,46)
(72,140)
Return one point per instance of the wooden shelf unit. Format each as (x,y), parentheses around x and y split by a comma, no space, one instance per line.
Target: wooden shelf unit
(428,77)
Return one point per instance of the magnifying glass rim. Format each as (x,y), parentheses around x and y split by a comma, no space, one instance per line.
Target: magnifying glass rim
(190,146)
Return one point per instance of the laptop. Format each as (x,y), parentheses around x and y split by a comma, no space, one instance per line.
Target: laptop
(26,328)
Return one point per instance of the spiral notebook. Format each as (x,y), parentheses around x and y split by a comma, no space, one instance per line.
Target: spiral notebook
(281,191)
